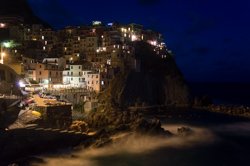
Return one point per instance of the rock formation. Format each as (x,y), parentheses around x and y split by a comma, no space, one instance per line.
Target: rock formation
(158,82)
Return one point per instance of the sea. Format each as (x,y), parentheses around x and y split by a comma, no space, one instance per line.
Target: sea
(223,93)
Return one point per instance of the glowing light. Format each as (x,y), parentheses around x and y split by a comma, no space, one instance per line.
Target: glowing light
(42,37)
(110,24)
(21,84)
(109,61)
(96,22)
(133,37)
(79,38)
(154,43)
(7,44)
(2,25)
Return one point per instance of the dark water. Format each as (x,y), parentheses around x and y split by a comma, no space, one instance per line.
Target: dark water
(219,145)
(224,93)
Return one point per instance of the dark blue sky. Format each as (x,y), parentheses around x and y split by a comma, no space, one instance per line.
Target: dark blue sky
(210,38)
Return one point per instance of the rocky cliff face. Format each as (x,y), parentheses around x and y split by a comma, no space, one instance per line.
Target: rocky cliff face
(159,82)
(20,8)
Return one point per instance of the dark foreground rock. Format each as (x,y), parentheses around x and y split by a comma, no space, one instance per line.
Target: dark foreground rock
(115,120)
(242,111)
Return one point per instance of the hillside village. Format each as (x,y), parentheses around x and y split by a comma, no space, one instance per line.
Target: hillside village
(82,58)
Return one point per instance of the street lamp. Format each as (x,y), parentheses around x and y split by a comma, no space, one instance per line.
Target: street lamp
(4,45)
(2,55)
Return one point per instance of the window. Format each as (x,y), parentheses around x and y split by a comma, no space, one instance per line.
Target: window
(79,67)
(92,82)
(71,67)
(79,73)
(72,73)
(68,73)
(40,73)
(40,66)
(71,78)
(96,76)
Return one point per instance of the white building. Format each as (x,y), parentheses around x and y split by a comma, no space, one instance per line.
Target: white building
(73,75)
(92,80)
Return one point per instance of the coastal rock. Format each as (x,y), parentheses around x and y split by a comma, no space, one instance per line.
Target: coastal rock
(184,131)
(80,126)
(157,82)
(115,121)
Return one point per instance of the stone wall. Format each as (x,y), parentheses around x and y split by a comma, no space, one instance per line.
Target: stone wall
(56,116)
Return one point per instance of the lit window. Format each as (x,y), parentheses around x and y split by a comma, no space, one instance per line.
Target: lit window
(42,37)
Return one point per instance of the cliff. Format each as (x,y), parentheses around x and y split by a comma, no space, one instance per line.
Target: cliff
(158,82)
(20,8)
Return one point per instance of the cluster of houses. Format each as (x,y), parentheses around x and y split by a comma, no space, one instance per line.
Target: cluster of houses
(83,56)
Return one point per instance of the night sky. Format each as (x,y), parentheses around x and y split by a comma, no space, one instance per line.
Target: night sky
(210,38)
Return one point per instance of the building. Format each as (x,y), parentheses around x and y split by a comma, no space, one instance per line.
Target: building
(46,74)
(60,62)
(93,80)
(73,75)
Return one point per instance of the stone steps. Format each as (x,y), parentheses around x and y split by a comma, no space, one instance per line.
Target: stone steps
(55,130)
